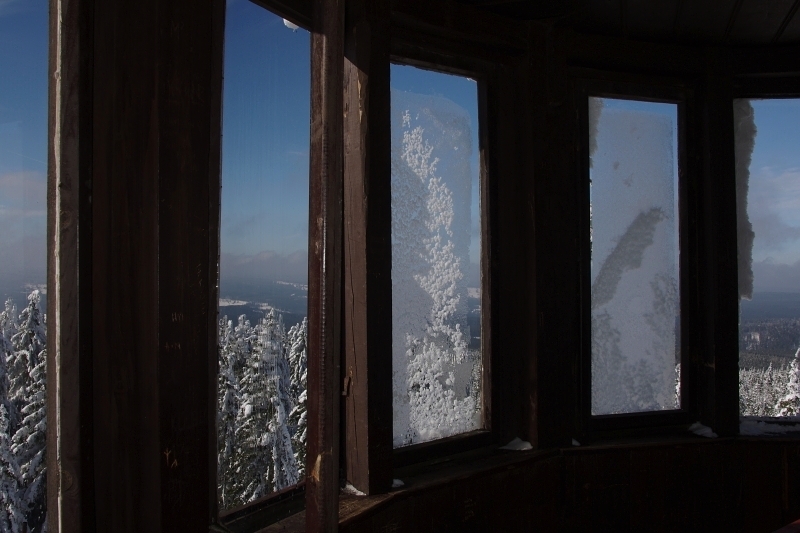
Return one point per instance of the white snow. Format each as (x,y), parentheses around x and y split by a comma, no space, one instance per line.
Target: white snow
(517,445)
(765,427)
(704,431)
(351,490)
(224,302)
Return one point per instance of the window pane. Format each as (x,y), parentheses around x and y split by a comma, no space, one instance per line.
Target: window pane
(436,251)
(23,201)
(768,189)
(264,262)
(635,297)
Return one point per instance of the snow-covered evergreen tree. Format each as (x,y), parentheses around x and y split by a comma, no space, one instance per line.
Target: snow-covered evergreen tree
(12,512)
(230,367)
(28,446)
(28,341)
(272,344)
(298,361)
(789,404)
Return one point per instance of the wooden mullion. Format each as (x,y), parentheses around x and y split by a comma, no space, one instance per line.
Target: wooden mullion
(70,487)
(325,266)
(716,364)
(367,242)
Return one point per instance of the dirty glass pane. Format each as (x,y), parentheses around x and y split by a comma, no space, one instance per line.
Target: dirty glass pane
(23,267)
(436,251)
(261,419)
(767,137)
(635,298)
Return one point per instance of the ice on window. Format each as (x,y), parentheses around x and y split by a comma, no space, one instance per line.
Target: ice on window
(635,302)
(436,357)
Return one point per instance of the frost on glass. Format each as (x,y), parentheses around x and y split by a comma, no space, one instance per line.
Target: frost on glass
(635,307)
(436,354)
(767,134)
(261,384)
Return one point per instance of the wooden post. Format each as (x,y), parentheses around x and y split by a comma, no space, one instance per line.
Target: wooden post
(325,267)
(367,244)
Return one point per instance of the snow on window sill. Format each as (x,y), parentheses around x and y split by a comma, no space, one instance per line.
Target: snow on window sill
(769,426)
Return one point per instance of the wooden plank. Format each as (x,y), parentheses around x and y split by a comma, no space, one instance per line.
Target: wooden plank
(461,23)
(624,55)
(758,22)
(189,78)
(325,266)
(124,266)
(367,243)
(70,488)
(704,20)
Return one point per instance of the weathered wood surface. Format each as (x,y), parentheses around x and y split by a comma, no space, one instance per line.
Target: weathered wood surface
(70,490)
(325,266)
(694,485)
(125,266)
(367,372)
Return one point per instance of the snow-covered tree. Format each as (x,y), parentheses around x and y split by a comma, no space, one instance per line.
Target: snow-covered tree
(12,511)
(789,404)
(28,446)
(230,367)
(28,341)
(298,361)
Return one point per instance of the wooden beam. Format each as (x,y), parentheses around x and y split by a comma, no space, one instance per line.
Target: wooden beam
(789,16)
(325,266)
(70,487)
(368,255)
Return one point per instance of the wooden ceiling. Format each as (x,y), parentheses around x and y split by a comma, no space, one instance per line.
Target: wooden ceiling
(759,22)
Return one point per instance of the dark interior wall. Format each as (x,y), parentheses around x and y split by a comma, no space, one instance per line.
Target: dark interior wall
(715,485)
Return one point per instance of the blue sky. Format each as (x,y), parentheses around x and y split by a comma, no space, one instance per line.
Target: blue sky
(23,142)
(774,195)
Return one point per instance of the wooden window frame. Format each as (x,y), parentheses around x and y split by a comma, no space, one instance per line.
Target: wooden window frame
(284,503)
(423,451)
(661,90)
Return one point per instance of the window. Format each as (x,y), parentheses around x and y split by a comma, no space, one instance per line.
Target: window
(23,325)
(263,285)
(636,304)
(767,133)
(437,351)
(635,273)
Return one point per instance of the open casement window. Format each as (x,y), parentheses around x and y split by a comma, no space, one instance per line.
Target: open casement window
(262,396)
(636,303)
(766,134)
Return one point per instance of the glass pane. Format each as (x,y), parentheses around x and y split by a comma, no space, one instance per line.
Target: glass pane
(768,189)
(635,256)
(436,251)
(263,288)
(23,206)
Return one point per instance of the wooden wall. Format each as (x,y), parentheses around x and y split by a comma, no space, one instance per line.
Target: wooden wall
(729,485)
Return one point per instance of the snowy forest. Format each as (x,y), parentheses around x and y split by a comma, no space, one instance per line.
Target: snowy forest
(23,422)
(261,399)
